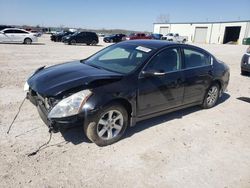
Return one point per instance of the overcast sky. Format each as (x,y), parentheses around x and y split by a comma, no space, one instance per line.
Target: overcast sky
(116,14)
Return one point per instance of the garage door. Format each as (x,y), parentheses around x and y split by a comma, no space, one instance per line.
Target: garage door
(163,30)
(200,34)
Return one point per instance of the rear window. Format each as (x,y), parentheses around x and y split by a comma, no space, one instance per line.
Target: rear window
(195,58)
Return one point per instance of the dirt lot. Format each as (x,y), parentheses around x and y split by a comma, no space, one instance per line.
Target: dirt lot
(188,148)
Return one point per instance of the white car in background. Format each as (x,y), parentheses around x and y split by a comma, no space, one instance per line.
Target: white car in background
(175,37)
(15,35)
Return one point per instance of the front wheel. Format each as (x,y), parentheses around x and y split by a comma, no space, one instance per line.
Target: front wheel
(93,43)
(211,96)
(108,126)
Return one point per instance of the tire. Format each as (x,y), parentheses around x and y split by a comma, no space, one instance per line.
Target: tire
(108,126)
(93,43)
(184,41)
(27,41)
(243,73)
(211,97)
(72,42)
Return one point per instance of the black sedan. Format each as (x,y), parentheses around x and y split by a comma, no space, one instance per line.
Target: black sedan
(114,38)
(245,62)
(58,37)
(126,83)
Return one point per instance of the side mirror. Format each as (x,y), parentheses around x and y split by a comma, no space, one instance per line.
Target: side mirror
(152,73)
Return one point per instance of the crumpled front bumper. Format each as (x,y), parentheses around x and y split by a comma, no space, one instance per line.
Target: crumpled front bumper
(54,124)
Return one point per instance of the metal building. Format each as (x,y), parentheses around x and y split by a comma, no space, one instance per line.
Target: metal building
(208,32)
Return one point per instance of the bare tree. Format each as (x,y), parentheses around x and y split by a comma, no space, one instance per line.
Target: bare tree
(163,18)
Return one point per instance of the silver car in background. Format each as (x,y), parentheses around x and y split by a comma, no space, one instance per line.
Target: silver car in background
(15,35)
(245,63)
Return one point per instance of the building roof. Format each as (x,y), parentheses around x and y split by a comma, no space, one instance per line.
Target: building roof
(205,22)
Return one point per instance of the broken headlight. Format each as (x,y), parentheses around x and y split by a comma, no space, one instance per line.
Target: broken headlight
(71,105)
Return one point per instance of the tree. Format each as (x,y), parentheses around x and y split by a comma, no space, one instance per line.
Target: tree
(163,18)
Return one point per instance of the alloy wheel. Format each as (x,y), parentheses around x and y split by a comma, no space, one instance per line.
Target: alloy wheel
(110,125)
(212,95)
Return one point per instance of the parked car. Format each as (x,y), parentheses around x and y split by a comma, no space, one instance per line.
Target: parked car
(36,33)
(5,27)
(101,35)
(58,36)
(136,36)
(246,41)
(156,36)
(15,35)
(89,38)
(114,38)
(245,62)
(126,83)
(175,37)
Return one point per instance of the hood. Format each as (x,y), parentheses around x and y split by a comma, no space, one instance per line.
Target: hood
(56,79)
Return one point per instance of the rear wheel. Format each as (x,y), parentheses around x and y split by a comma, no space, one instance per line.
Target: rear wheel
(108,126)
(211,96)
(243,72)
(72,42)
(27,41)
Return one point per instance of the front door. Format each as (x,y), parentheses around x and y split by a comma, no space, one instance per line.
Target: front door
(164,88)
(18,35)
(6,36)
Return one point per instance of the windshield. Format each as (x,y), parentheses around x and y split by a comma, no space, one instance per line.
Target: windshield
(121,58)
(75,33)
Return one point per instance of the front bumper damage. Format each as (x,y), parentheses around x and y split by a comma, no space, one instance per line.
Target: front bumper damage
(57,124)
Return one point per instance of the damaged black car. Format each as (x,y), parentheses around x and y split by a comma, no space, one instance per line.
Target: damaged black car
(126,83)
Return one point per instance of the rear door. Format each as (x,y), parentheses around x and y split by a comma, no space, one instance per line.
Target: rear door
(81,37)
(197,73)
(88,38)
(163,91)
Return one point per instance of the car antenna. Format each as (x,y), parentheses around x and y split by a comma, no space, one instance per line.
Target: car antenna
(16,116)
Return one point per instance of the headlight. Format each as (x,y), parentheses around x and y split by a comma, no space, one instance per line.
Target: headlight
(26,87)
(70,105)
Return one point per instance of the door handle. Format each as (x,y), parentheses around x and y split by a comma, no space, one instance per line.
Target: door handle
(159,73)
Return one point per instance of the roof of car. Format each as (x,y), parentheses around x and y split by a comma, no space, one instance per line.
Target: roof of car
(156,44)
(13,28)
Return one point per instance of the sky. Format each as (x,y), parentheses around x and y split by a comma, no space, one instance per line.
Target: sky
(116,14)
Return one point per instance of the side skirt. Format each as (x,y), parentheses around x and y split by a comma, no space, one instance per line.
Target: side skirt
(134,120)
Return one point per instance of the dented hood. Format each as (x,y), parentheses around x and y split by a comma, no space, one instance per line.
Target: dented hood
(56,79)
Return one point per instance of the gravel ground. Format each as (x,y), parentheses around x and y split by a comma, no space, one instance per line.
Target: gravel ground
(188,148)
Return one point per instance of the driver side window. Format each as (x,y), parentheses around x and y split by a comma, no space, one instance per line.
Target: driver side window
(166,61)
